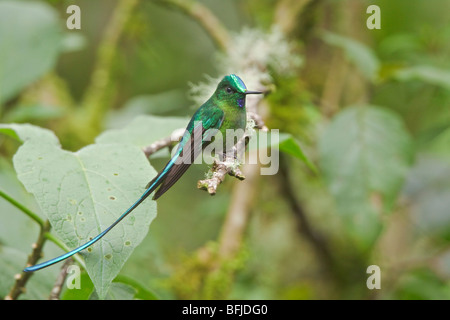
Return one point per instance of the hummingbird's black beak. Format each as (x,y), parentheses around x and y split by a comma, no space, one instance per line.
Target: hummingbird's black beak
(253,92)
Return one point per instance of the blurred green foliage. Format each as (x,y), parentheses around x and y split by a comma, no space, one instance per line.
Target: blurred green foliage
(369,108)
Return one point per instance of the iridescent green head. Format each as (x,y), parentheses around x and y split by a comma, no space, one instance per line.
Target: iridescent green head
(233,90)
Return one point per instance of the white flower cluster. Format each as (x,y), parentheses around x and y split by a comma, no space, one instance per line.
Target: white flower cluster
(251,54)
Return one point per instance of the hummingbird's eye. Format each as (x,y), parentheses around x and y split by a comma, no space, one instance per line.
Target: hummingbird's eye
(229,90)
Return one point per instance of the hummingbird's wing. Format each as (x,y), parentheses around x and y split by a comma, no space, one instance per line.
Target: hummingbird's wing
(197,135)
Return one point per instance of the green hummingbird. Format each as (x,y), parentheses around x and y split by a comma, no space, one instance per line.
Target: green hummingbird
(223,111)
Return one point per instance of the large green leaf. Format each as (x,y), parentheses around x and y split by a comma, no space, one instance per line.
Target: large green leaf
(24,132)
(30,41)
(365,153)
(288,144)
(83,192)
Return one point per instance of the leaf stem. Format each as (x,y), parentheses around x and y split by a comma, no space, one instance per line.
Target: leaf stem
(22,208)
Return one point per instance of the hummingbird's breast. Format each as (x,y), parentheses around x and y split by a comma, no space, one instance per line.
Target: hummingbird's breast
(233,126)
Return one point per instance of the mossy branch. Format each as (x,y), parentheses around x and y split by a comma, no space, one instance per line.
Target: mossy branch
(22,278)
(57,288)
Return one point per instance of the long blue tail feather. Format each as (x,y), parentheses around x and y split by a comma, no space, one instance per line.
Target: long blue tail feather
(155,183)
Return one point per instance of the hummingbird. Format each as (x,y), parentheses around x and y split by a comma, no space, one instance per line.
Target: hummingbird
(223,111)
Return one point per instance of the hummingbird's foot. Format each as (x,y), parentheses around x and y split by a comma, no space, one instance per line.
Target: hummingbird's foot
(217,173)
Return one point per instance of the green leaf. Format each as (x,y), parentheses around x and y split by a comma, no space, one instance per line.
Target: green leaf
(365,153)
(122,288)
(83,192)
(422,284)
(82,293)
(24,132)
(30,36)
(427,74)
(140,291)
(290,145)
(117,291)
(362,56)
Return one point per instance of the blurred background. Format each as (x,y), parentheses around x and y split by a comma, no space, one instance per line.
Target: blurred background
(369,107)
